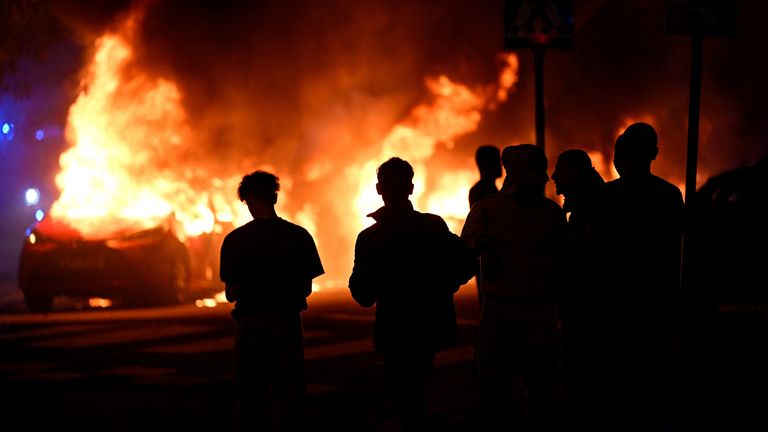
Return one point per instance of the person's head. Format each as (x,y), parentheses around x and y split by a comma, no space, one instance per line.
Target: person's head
(635,149)
(488,159)
(258,190)
(395,180)
(526,168)
(571,170)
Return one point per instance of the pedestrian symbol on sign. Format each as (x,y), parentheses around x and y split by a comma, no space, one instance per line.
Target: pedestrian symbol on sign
(532,23)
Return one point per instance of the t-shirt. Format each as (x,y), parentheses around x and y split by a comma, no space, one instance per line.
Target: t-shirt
(271,262)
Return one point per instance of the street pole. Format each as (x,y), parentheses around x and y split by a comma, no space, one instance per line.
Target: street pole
(694,108)
(538,59)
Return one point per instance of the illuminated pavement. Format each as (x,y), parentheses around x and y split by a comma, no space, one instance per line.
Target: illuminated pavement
(162,368)
(159,368)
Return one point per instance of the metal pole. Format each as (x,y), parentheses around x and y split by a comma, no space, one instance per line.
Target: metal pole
(697,48)
(538,57)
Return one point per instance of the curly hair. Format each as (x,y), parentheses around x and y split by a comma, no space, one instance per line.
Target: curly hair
(260,185)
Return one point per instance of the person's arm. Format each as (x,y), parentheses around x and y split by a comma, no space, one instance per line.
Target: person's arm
(471,231)
(312,267)
(362,281)
(230,292)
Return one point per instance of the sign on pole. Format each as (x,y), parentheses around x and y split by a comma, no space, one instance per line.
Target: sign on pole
(702,17)
(696,18)
(538,24)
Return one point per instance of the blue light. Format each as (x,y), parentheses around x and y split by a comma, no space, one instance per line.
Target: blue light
(39,214)
(32,196)
(29,231)
(39,135)
(6,128)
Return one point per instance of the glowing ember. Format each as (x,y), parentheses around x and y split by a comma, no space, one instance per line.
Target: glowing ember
(96,302)
(206,302)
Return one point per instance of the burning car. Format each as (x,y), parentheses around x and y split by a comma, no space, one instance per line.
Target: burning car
(138,266)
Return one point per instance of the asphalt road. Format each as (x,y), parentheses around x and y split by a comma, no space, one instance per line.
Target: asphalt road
(124,369)
(169,368)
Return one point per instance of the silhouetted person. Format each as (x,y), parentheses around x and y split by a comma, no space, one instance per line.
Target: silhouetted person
(267,266)
(409,265)
(580,185)
(640,233)
(519,235)
(488,160)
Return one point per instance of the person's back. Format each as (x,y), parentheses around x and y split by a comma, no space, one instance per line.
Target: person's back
(581,186)
(488,160)
(267,266)
(519,235)
(640,236)
(263,254)
(409,265)
(641,223)
(405,254)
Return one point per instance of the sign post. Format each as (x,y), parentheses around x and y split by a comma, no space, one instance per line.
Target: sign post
(696,18)
(538,24)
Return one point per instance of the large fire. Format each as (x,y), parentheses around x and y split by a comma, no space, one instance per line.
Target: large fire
(127,164)
(134,163)
(130,164)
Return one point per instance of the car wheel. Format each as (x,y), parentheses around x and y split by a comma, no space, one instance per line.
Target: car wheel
(38,301)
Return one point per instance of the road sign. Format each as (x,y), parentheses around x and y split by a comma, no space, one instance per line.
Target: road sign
(703,17)
(538,23)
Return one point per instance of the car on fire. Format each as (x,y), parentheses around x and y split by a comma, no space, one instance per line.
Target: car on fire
(148,266)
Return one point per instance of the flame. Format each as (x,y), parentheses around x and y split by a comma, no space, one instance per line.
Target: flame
(131,157)
(603,165)
(96,302)
(130,138)
(455,110)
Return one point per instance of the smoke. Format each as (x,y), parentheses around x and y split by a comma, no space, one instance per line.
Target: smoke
(271,79)
(310,88)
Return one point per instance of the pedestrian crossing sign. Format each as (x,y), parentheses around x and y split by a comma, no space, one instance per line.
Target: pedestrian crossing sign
(538,23)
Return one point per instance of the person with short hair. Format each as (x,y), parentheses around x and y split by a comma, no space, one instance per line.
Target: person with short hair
(519,235)
(577,180)
(639,234)
(409,265)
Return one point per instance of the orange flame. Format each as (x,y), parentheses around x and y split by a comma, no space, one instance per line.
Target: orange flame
(130,164)
(456,110)
(129,139)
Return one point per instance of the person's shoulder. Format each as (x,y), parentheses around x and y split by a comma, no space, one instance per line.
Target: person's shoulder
(550,205)
(238,231)
(432,218)
(486,200)
(613,184)
(551,209)
(288,226)
(368,232)
(666,185)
